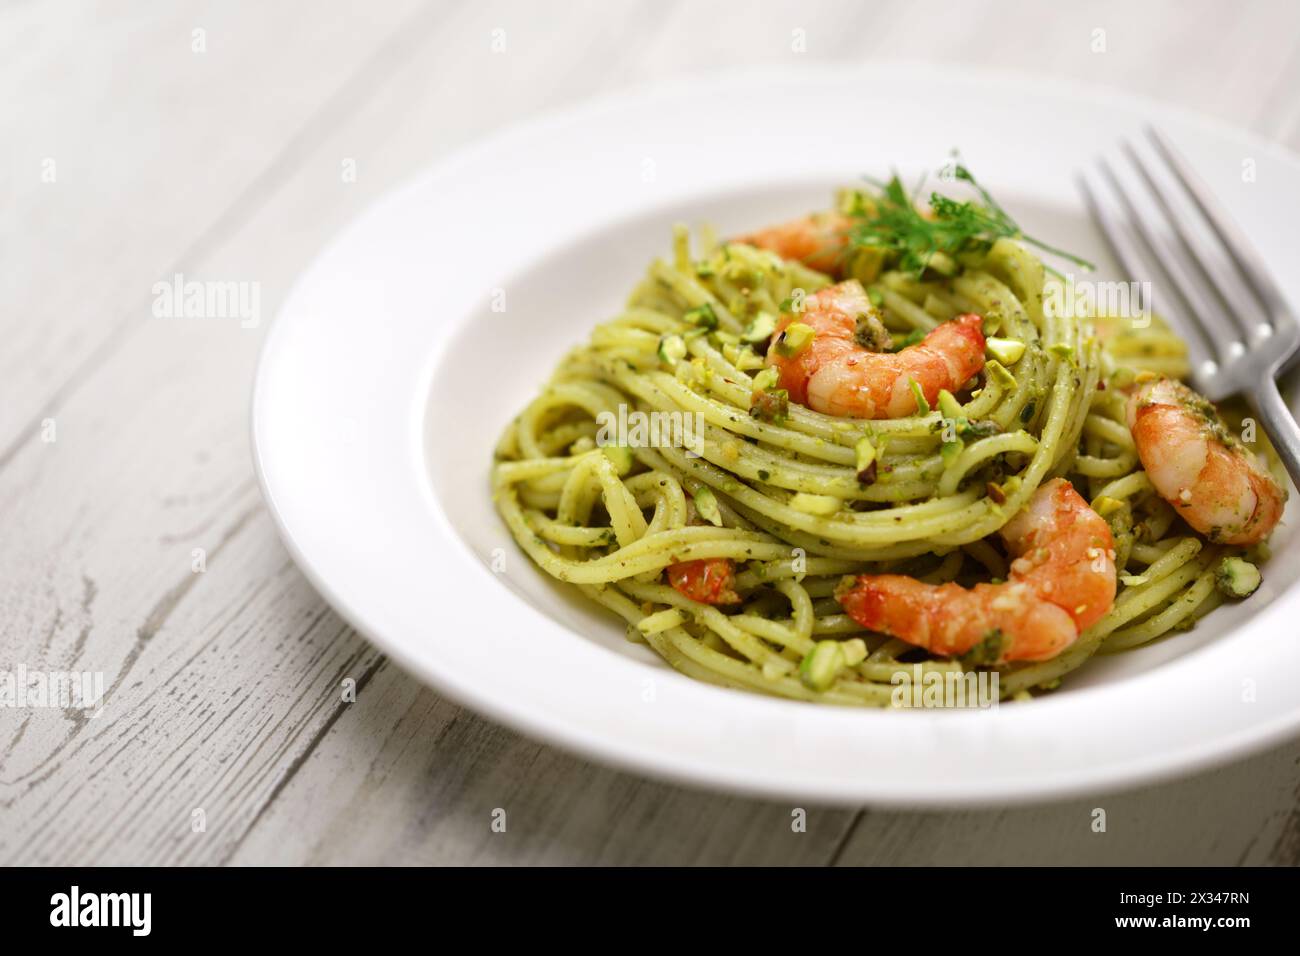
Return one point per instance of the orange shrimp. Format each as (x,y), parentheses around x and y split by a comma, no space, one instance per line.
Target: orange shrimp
(707,580)
(836,375)
(1199,467)
(818,240)
(1062,581)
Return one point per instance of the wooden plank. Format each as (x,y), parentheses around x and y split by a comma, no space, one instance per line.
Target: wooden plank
(407,778)
(151,144)
(1243,813)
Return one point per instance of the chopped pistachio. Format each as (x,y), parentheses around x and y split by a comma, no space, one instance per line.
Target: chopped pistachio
(922,406)
(865,450)
(766,379)
(672,349)
(1236,578)
(706,503)
(815,504)
(760,328)
(949,407)
(854,650)
(1062,351)
(704,317)
(1006,351)
(1000,376)
(662,621)
(992,324)
(822,665)
(1122,377)
(1106,505)
(794,339)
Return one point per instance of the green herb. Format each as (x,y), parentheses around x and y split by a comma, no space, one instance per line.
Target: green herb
(902,231)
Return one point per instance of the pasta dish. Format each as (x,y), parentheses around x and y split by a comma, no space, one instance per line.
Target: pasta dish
(884,439)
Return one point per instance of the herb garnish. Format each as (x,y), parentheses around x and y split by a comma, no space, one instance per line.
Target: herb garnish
(892,222)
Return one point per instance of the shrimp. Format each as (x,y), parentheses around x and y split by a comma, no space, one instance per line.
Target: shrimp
(707,580)
(836,374)
(1061,581)
(818,240)
(1199,467)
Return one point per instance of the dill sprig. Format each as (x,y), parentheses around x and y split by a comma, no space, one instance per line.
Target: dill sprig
(890,221)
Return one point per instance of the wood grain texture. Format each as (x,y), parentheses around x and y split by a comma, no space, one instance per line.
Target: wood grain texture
(225,686)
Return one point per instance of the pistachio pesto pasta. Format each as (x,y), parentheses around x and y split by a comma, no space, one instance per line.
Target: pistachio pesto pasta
(663,443)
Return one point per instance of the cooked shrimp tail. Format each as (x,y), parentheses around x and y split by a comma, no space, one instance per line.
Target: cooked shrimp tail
(1197,465)
(818,241)
(836,373)
(1062,580)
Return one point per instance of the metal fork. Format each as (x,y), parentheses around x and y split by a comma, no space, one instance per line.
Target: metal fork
(1242,331)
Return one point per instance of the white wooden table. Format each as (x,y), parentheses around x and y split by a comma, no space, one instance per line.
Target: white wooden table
(217,140)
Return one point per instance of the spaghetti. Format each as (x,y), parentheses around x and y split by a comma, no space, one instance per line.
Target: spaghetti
(785,495)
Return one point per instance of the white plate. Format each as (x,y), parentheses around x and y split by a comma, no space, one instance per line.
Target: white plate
(387,377)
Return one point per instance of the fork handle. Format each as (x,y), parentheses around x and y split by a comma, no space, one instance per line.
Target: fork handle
(1278,423)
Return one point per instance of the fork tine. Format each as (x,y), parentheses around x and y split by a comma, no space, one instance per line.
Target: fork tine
(1115,236)
(1205,341)
(1234,240)
(1217,303)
